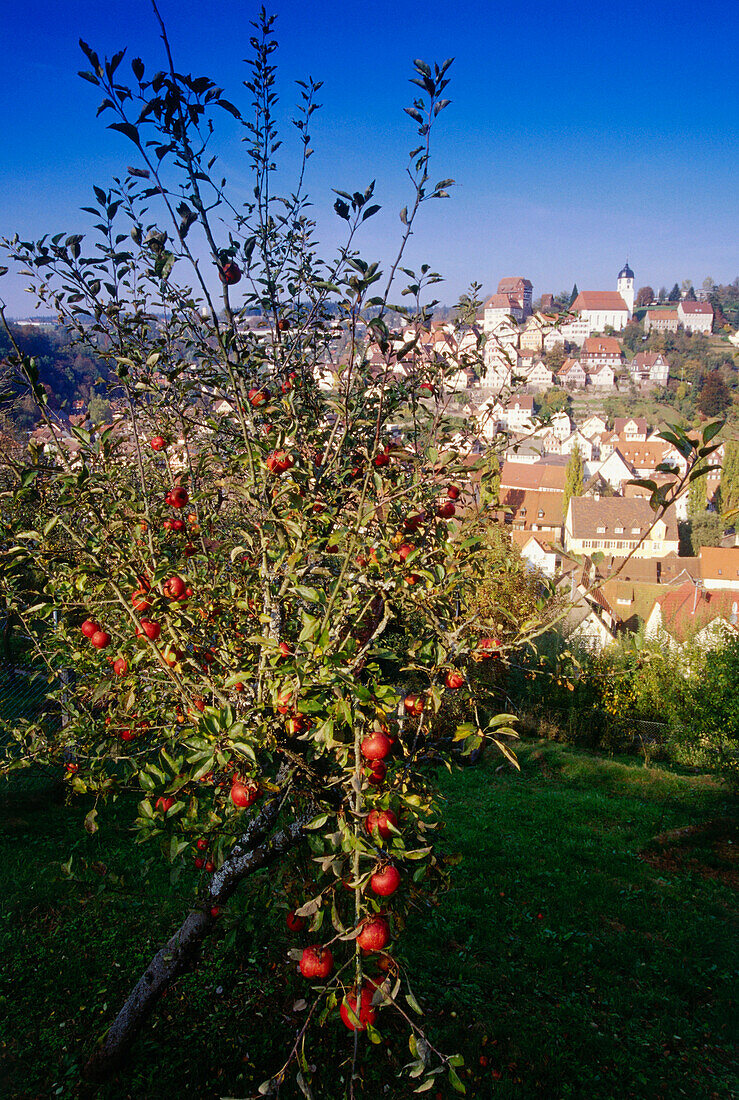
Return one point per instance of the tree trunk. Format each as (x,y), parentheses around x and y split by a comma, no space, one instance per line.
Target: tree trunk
(251,853)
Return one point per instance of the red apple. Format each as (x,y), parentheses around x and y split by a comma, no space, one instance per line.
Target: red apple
(244,795)
(413,521)
(414,705)
(284,701)
(210,867)
(128,735)
(377,774)
(376,746)
(445,509)
(365,1013)
(202,844)
(375,934)
(177,497)
(199,863)
(381,820)
(139,601)
(151,629)
(283,325)
(120,666)
(100,639)
(163,804)
(258,397)
(488,647)
(295,924)
(453,492)
(386,881)
(215,911)
(229,273)
(158,443)
(89,628)
(405,550)
(453,679)
(285,650)
(316,962)
(174,587)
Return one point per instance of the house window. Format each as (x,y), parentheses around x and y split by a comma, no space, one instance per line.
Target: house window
(541,513)
(600,530)
(522,512)
(719,572)
(618,530)
(636,530)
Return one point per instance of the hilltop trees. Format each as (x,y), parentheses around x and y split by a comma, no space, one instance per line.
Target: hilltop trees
(256,574)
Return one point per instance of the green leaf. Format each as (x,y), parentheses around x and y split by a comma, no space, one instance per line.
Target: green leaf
(455,1082)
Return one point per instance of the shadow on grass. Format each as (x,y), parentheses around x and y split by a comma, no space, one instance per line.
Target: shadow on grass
(559,962)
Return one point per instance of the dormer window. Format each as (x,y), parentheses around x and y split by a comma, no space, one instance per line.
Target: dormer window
(636,530)
(601,530)
(618,530)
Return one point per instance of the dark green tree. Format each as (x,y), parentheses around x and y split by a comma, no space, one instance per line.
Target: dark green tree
(674,295)
(714,396)
(574,293)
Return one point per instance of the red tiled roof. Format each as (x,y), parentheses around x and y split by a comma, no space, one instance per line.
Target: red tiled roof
(601,345)
(662,314)
(500,301)
(599,299)
(551,504)
(696,307)
(532,475)
(720,563)
(643,360)
(688,609)
(620,423)
(513,283)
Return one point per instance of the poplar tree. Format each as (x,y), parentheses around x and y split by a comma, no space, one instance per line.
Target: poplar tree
(573,477)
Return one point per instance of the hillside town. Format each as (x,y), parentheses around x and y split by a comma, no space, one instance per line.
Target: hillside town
(622,569)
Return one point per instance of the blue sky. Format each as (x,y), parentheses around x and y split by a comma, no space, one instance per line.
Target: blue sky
(579,133)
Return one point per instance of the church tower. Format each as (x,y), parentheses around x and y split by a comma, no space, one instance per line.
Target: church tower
(625,287)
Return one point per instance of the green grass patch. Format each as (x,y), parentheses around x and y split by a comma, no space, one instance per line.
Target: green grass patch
(572,956)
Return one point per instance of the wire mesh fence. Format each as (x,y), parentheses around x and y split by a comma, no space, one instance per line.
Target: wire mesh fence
(25,697)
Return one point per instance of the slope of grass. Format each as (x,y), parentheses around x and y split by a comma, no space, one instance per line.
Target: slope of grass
(562,962)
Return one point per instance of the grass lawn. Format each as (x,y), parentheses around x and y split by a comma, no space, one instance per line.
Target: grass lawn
(571,957)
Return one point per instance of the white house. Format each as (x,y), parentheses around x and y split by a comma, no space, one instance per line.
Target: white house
(540,377)
(572,375)
(601,351)
(603,378)
(539,554)
(690,614)
(594,425)
(631,429)
(649,367)
(695,316)
(615,470)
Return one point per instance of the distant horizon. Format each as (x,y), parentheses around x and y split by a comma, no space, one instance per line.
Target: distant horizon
(578,138)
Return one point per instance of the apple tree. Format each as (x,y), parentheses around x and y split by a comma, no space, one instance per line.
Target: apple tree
(251,586)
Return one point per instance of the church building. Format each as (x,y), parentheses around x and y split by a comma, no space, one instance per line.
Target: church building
(607,308)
